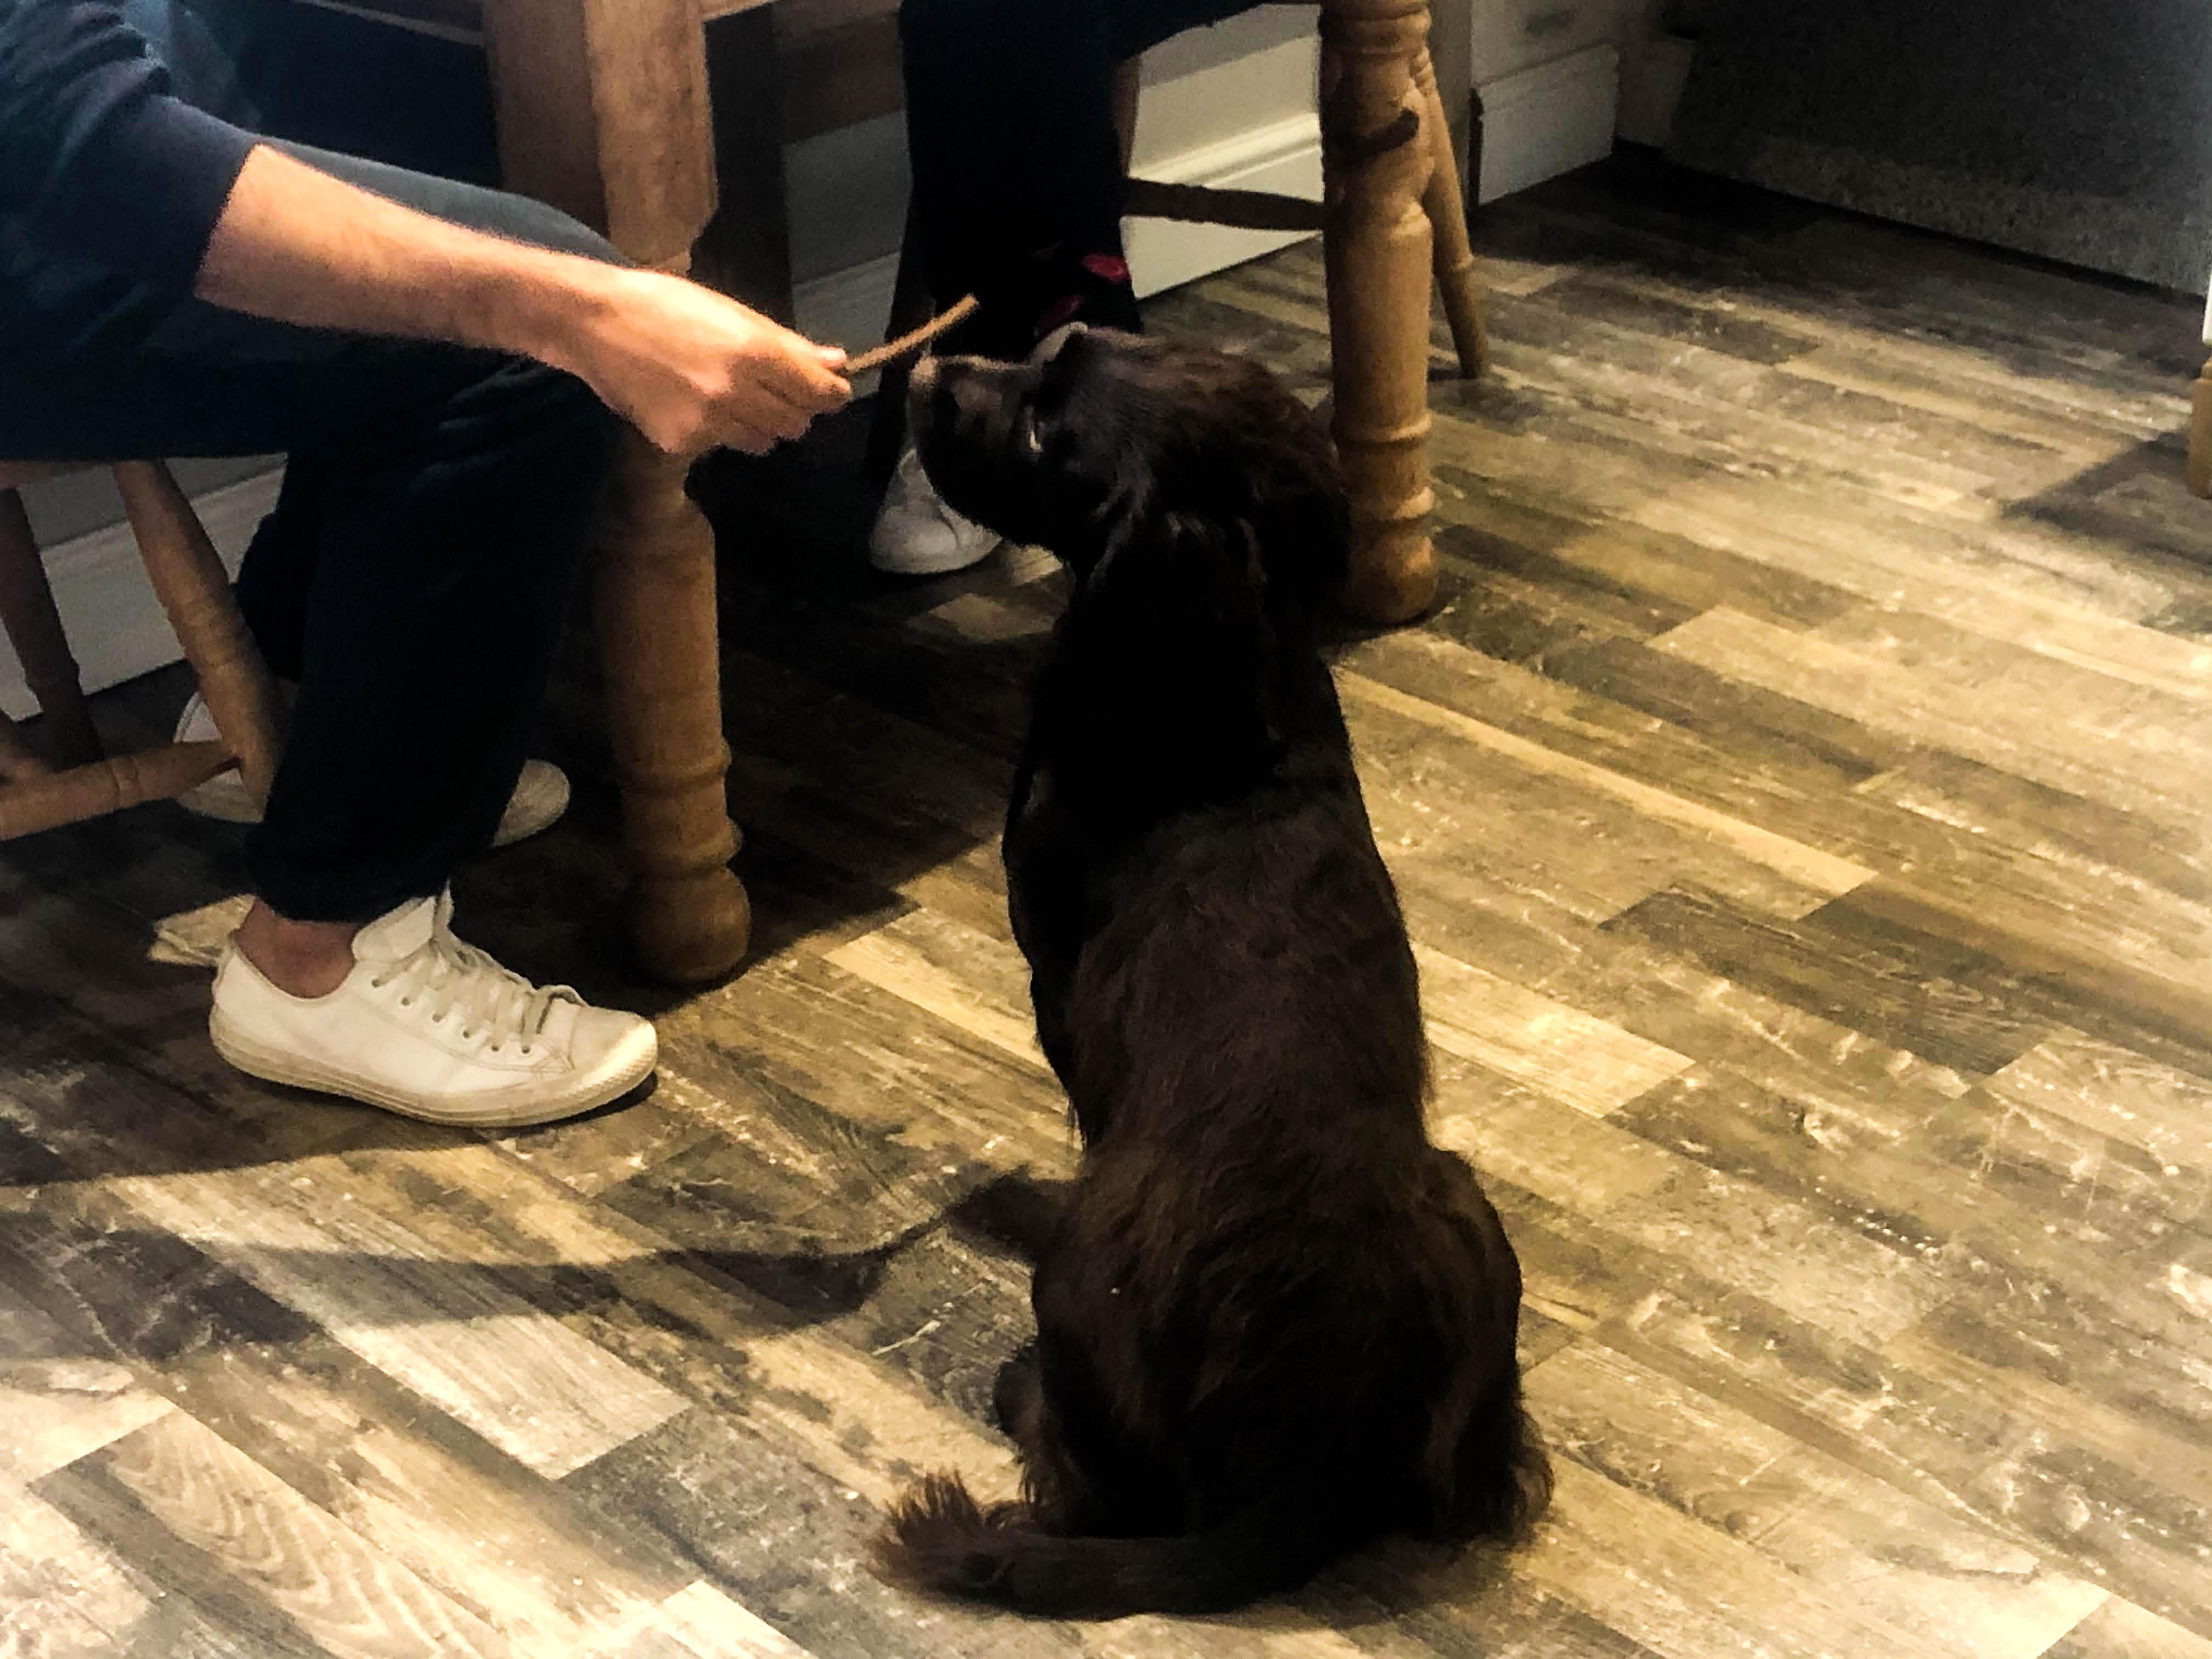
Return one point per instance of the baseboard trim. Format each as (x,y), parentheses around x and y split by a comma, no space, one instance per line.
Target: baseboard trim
(115,624)
(1541,122)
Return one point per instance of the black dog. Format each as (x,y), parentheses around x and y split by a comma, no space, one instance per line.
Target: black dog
(1273,1320)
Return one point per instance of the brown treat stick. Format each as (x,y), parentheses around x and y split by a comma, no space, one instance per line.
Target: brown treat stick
(908,344)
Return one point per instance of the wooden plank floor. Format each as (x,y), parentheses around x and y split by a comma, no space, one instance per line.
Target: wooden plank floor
(1801,802)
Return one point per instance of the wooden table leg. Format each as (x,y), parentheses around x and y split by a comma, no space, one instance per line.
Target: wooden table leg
(1377,253)
(2200,436)
(603,110)
(688,916)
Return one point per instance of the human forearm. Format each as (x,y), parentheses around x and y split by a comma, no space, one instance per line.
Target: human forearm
(300,246)
(690,367)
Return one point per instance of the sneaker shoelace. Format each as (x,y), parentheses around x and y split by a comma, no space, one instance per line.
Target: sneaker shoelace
(458,981)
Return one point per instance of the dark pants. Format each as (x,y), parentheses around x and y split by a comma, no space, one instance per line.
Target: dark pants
(1010,128)
(417,568)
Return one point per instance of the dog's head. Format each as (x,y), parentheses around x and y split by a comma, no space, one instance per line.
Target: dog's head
(1165,470)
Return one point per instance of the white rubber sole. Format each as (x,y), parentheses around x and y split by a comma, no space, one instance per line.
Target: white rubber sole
(904,563)
(499,1110)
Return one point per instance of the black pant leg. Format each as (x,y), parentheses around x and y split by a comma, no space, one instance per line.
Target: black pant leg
(441,578)
(1010,130)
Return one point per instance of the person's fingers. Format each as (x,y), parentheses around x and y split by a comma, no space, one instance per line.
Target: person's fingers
(757,409)
(800,372)
(761,409)
(767,403)
(775,403)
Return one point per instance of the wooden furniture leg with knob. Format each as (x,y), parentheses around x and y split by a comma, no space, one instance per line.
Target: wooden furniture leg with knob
(1379,258)
(688,915)
(603,109)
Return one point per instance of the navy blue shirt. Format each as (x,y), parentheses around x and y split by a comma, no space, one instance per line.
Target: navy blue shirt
(100,167)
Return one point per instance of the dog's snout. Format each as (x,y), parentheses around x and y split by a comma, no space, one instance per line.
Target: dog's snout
(923,377)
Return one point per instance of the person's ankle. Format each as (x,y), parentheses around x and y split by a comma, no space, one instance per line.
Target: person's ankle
(307,959)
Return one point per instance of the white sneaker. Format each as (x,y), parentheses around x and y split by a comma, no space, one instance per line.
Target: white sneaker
(917,535)
(430,1028)
(540,796)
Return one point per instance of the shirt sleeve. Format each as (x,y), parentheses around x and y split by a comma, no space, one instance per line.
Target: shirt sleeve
(96,157)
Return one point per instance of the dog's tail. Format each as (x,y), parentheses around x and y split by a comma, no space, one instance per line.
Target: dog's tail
(940,1539)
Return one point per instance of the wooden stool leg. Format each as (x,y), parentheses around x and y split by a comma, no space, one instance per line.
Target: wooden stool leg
(108,786)
(194,588)
(688,916)
(34,629)
(1446,207)
(1377,254)
(2200,436)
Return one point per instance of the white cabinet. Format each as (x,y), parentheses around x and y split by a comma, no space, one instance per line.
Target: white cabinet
(1518,34)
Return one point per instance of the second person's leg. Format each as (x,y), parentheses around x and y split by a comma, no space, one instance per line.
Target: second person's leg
(1016,162)
(1017,187)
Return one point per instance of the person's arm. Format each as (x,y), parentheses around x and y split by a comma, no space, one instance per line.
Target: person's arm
(687,366)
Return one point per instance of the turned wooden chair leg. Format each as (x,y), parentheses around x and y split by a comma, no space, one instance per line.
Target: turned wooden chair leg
(34,629)
(1377,254)
(2200,436)
(688,916)
(1446,206)
(28,806)
(193,587)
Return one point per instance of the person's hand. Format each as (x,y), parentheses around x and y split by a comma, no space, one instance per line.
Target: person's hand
(691,369)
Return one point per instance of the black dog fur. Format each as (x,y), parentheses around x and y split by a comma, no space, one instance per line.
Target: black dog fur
(1273,1320)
